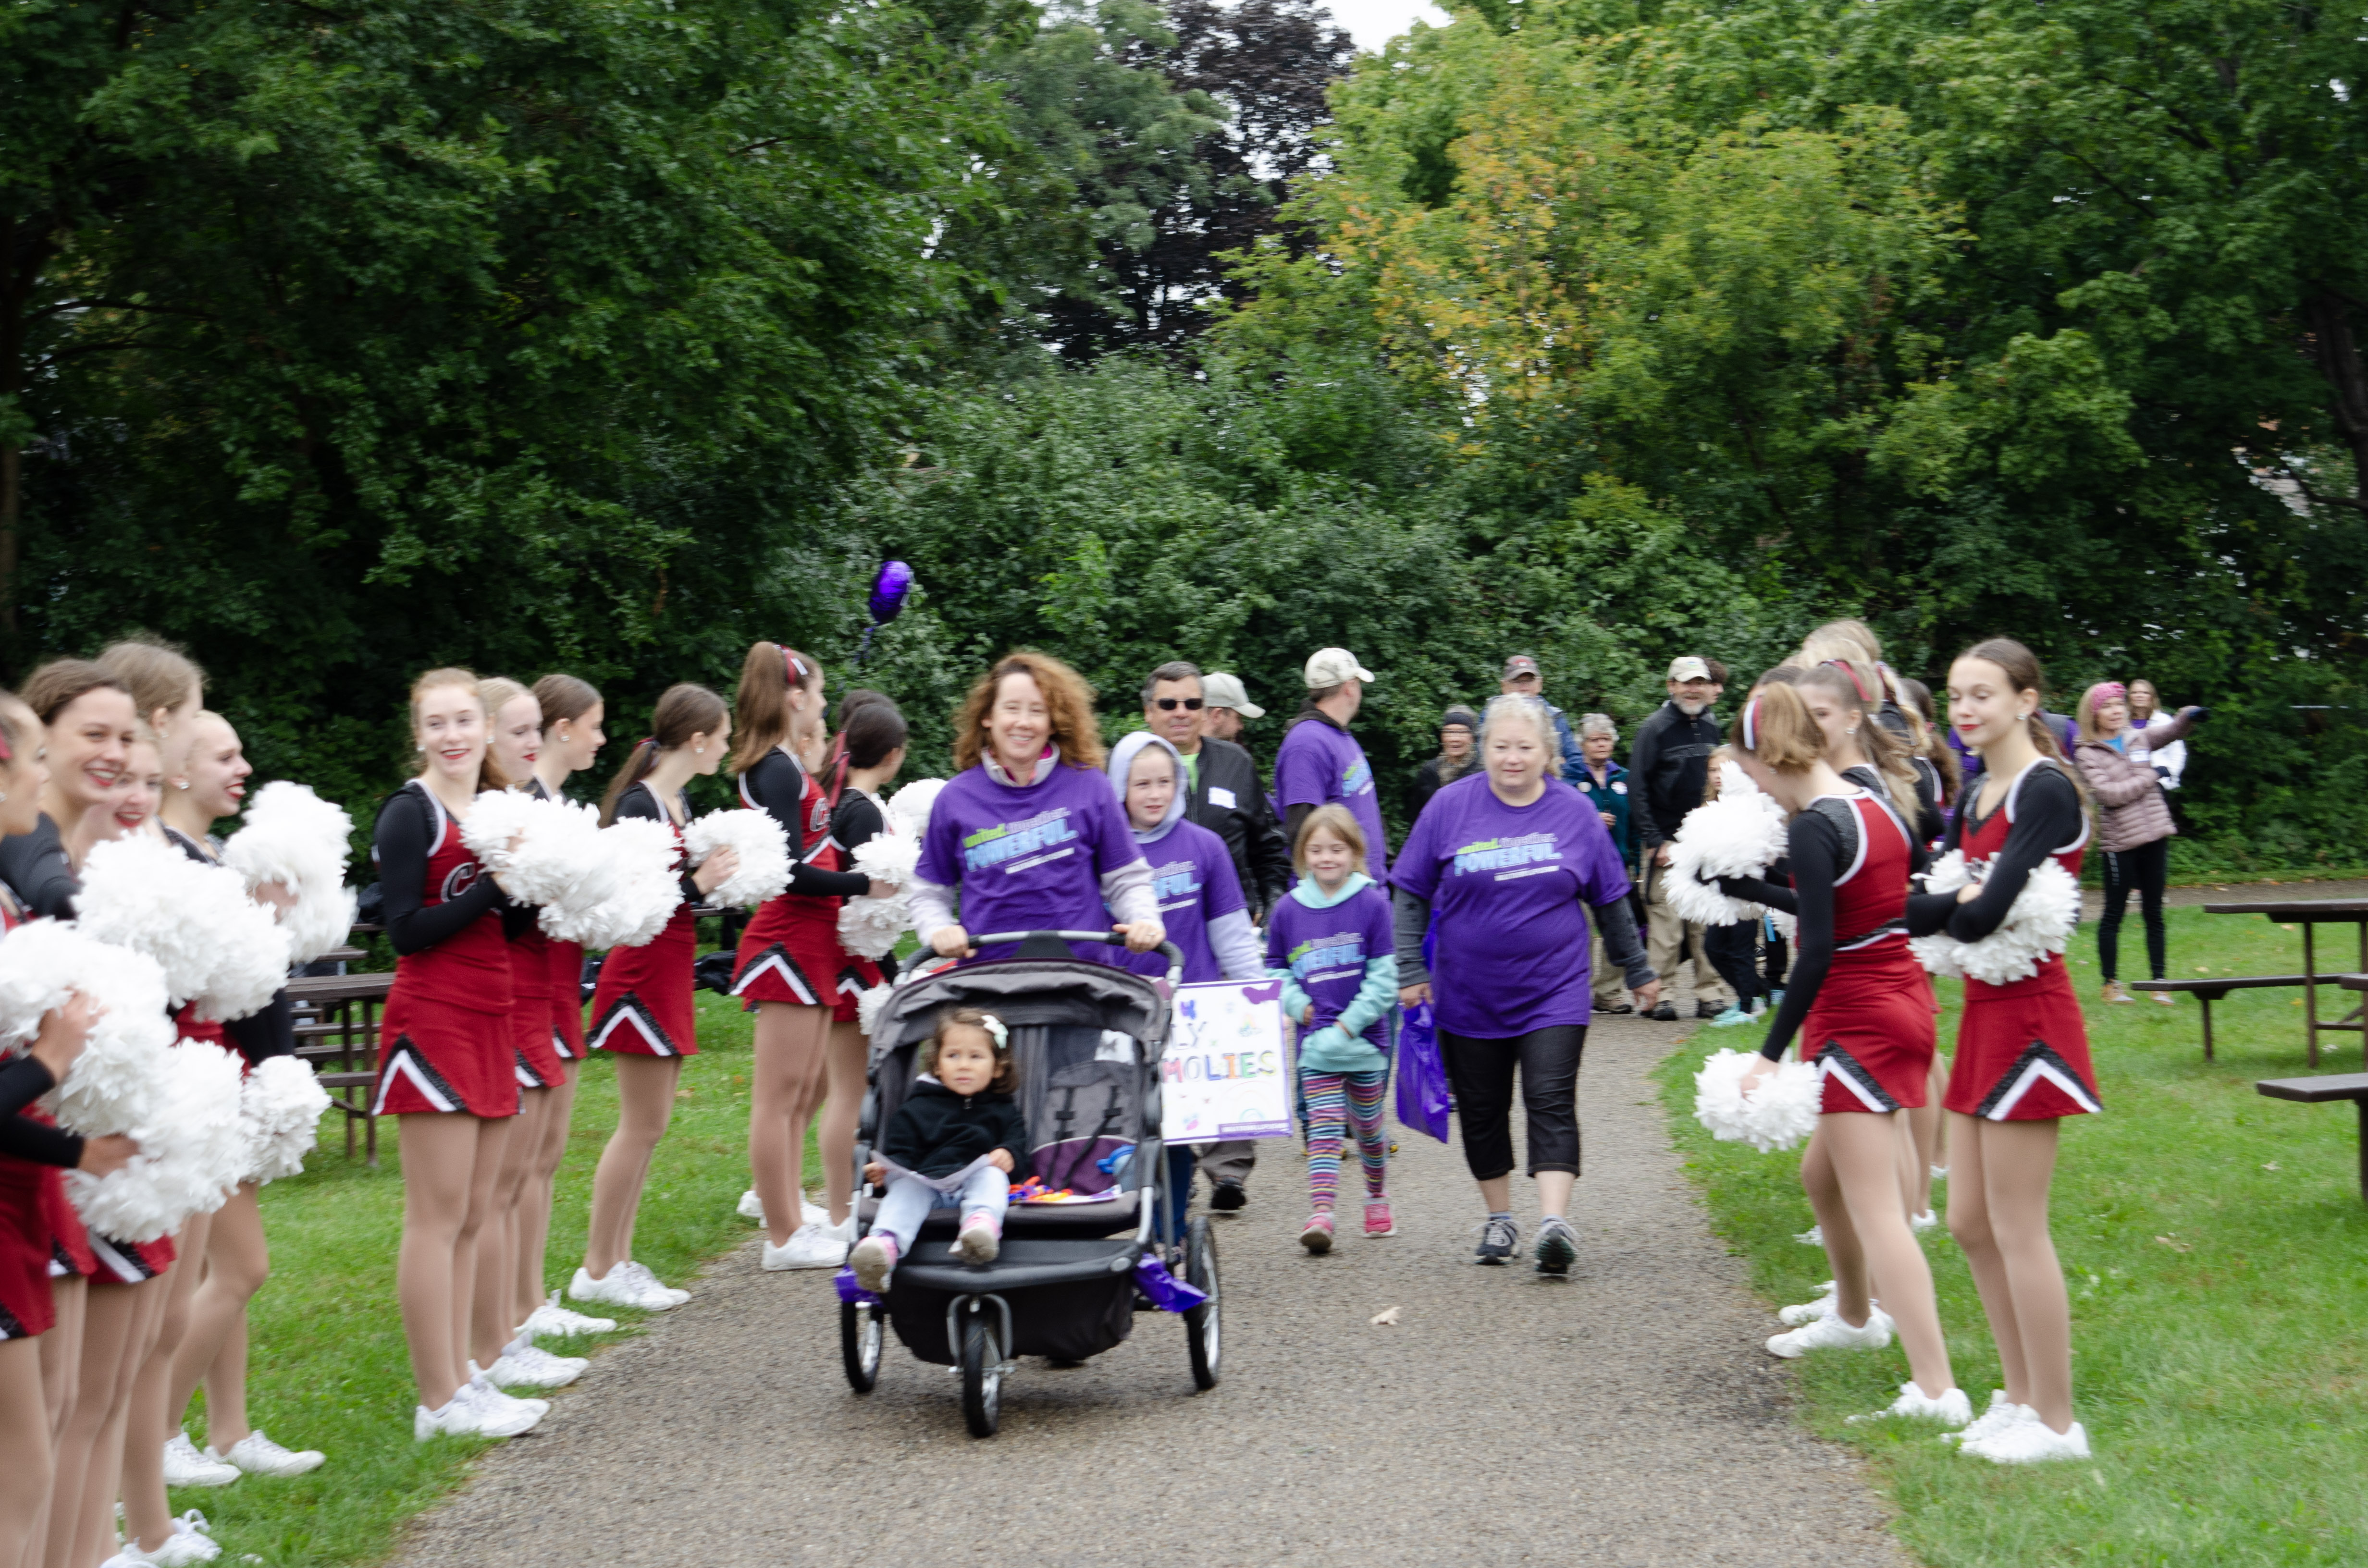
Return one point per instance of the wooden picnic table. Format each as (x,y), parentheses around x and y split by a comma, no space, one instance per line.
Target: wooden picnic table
(2352,1087)
(2310,914)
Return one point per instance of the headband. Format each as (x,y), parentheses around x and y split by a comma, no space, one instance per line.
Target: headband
(994,1025)
(6,753)
(794,669)
(2107,692)
(1856,685)
(1751,726)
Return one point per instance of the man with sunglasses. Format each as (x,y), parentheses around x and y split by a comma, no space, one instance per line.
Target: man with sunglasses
(1223,796)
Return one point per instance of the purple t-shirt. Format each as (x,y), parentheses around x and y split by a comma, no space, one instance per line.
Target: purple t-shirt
(1192,872)
(1028,859)
(1325,951)
(1322,765)
(1504,885)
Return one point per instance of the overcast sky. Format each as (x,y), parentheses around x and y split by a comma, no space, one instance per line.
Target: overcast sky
(1374,23)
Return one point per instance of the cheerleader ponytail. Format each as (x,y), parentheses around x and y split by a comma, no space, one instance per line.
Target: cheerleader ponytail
(683,711)
(761,704)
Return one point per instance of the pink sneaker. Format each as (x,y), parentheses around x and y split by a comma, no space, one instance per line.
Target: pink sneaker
(875,1258)
(1378,1219)
(1316,1234)
(980,1239)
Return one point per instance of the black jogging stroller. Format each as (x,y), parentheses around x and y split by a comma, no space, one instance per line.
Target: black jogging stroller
(1087,1039)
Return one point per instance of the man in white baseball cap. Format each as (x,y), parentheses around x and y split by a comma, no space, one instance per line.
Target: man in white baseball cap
(1321,763)
(1667,773)
(1229,704)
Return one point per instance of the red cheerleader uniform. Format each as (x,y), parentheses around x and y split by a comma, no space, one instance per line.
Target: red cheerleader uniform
(444,1040)
(641,1006)
(1857,996)
(791,950)
(562,982)
(2022,1049)
(540,1062)
(35,1220)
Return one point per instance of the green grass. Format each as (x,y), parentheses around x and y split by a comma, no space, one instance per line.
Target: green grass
(329,1368)
(2213,1240)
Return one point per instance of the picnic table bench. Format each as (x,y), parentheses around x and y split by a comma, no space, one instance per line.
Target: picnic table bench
(2309,914)
(2319,1090)
(2208,991)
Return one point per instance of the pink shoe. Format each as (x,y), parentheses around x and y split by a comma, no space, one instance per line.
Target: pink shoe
(1378,1221)
(980,1240)
(1316,1234)
(875,1258)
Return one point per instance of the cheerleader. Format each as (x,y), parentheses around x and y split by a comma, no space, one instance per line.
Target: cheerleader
(207,784)
(446,1065)
(87,726)
(571,713)
(642,1008)
(2023,1052)
(508,1353)
(790,968)
(1861,1003)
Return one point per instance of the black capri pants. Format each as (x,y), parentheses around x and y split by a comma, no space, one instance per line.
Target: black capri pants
(1481,1073)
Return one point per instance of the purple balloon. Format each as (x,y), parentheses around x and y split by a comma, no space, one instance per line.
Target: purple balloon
(888,591)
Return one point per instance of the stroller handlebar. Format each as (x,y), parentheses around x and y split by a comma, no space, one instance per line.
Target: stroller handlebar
(1168,950)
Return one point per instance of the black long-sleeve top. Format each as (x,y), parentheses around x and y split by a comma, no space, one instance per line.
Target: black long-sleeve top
(22,1081)
(406,826)
(2047,817)
(776,784)
(1928,822)
(1820,844)
(35,865)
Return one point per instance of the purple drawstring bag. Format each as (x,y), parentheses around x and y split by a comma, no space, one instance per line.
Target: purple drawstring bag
(1422,1076)
(1169,1293)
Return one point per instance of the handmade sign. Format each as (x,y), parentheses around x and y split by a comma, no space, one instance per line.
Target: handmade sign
(1226,1073)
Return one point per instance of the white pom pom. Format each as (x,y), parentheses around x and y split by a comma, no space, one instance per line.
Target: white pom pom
(1781,1114)
(549,854)
(42,965)
(1741,834)
(2037,926)
(646,889)
(281,1106)
(220,948)
(764,849)
(868,1006)
(910,805)
(871,927)
(293,838)
(193,1149)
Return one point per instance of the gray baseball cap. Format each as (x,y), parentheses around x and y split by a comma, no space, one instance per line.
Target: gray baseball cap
(1220,691)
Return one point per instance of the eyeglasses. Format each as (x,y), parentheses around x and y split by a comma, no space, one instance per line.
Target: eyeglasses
(1170,704)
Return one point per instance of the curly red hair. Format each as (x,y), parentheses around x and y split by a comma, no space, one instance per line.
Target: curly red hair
(1068,703)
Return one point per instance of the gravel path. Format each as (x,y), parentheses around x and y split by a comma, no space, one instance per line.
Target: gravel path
(1610,1419)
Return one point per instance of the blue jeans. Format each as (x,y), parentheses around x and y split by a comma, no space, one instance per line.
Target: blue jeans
(910,1200)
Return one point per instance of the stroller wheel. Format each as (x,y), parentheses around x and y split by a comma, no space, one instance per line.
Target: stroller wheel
(859,1344)
(1203,1325)
(982,1375)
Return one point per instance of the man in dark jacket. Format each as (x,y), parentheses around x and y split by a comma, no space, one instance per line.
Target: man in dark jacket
(1670,769)
(1223,790)
(1222,794)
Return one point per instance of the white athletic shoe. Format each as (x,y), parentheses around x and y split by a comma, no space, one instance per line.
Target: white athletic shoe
(654,1286)
(556,1322)
(522,1365)
(1832,1333)
(1815,1236)
(623,1287)
(1923,1222)
(1951,1409)
(2002,1414)
(809,1213)
(480,1392)
(1940,1173)
(2031,1442)
(184,1466)
(191,1541)
(752,1206)
(258,1455)
(811,1247)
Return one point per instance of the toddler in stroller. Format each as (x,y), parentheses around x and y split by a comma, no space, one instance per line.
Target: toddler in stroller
(957,1142)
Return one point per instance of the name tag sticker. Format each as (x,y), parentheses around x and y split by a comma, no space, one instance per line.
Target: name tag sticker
(1223,798)
(1620,785)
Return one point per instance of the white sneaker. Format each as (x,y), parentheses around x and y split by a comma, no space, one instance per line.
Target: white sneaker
(479,1392)
(622,1287)
(1949,1409)
(2002,1414)
(556,1322)
(654,1286)
(1940,1173)
(184,1466)
(1832,1333)
(2031,1442)
(258,1455)
(522,1365)
(1815,1236)
(191,1541)
(809,1213)
(1923,1222)
(811,1247)
(1825,1306)
(752,1206)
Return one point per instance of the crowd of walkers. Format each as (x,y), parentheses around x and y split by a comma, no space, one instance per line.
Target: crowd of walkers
(1531,889)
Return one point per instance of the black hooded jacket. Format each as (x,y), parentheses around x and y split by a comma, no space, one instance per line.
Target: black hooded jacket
(937,1131)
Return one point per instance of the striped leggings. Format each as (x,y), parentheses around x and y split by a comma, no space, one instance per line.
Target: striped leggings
(1337,1101)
